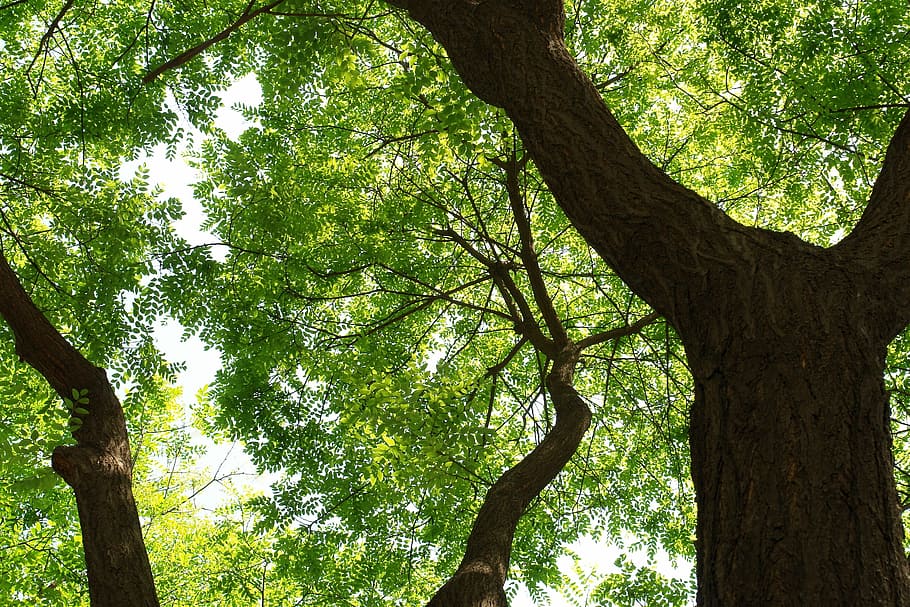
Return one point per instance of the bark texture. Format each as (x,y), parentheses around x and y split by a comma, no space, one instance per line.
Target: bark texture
(790,432)
(790,437)
(99,466)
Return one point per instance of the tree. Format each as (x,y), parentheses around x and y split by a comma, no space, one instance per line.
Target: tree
(789,432)
(345,336)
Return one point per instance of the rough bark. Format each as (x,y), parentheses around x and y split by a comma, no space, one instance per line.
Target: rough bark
(789,433)
(790,438)
(99,466)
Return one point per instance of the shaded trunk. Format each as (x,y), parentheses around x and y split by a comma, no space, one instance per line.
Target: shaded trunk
(99,466)
(790,435)
(794,479)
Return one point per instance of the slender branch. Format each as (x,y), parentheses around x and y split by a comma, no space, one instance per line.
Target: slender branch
(514,298)
(28,185)
(877,106)
(44,43)
(12,4)
(612,334)
(25,252)
(480,576)
(528,254)
(384,142)
(501,365)
(190,54)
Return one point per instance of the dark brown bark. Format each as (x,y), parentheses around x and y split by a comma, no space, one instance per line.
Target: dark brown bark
(790,438)
(99,466)
(790,429)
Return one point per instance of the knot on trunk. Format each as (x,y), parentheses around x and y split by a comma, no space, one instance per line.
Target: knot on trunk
(79,464)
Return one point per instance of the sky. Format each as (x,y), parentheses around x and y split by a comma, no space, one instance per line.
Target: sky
(175,178)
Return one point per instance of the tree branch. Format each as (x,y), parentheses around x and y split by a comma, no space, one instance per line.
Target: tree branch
(660,237)
(190,54)
(44,43)
(518,306)
(527,252)
(882,235)
(480,576)
(612,334)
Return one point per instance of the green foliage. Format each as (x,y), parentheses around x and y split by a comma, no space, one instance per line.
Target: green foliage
(370,357)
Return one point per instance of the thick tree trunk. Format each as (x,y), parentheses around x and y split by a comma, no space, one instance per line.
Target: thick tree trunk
(99,466)
(790,437)
(794,479)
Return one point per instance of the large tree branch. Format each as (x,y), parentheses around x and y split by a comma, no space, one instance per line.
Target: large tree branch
(660,237)
(881,238)
(98,467)
(480,576)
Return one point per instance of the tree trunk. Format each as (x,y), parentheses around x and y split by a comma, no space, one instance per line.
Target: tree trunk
(790,437)
(99,467)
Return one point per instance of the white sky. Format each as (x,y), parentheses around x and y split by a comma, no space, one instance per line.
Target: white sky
(175,178)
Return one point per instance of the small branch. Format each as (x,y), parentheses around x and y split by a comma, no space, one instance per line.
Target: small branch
(190,54)
(878,106)
(45,41)
(528,254)
(501,365)
(632,329)
(12,4)
(515,300)
(28,185)
(385,142)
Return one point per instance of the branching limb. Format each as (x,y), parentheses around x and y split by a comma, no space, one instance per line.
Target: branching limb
(612,334)
(44,43)
(512,167)
(515,300)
